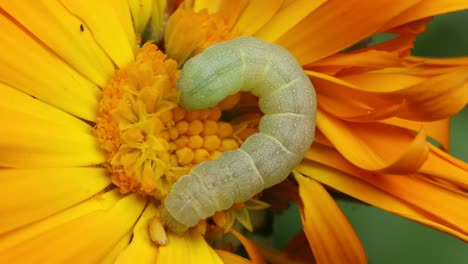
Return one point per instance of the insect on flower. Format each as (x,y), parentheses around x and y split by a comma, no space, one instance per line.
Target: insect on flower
(286,97)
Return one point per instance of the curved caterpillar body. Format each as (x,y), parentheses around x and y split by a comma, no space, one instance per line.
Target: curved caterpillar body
(286,97)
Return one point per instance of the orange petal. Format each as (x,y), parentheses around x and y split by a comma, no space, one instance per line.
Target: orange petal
(231,258)
(444,166)
(85,239)
(141,249)
(60,30)
(330,235)
(298,248)
(374,146)
(255,15)
(189,247)
(288,16)
(437,130)
(367,58)
(427,8)
(230,10)
(428,99)
(53,81)
(455,61)
(30,195)
(254,253)
(321,34)
(410,196)
(343,100)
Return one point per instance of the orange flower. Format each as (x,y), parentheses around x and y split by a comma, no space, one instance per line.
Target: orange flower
(93,138)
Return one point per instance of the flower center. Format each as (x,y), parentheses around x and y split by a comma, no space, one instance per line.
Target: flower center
(149,140)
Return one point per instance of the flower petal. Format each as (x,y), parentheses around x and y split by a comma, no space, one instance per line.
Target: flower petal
(29,141)
(367,58)
(256,15)
(437,130)
(141,249)
(53,81)
(374,146)
(18,101)
(60,30)
(86,239)
(29,195)
(254,253)
(288,16)
(100,202)
(425,99)
(443,166)
(229,9)
(113,253)
(231,258)
(405,195)
(320,34)
(112,28)
(141,13)
(330,234)
(344,101)
(187,248)
(427,8)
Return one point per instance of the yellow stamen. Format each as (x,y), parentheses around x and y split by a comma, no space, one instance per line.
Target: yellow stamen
(149,140)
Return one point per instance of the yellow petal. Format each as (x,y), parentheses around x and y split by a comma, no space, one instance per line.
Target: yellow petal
(101,202)
(29,141)
(286,18)
(254,254)
(321,33)
(212,6)
(51,81)
(86,239)
(427,8)
(141,249)
(255,15)
(112,254)
(231,258)
(187,248)
(374,146)
(330,235)
(141,11)
(18,101)
(29,195)
(112,27)
(410,196)
(61,31)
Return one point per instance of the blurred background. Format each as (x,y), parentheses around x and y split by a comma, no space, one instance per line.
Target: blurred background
(388,238)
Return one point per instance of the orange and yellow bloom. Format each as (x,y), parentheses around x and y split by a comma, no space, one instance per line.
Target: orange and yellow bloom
(92,136)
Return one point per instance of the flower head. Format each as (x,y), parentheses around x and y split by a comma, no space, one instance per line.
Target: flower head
(94,135)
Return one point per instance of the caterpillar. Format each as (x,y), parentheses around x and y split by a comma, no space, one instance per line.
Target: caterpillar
(286,131)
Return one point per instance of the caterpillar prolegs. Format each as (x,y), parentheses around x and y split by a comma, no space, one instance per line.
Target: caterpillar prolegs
(286,131)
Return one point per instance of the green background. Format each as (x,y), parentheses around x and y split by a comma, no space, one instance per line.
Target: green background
(388,238)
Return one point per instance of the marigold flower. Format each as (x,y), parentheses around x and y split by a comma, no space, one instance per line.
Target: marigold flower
(93,136)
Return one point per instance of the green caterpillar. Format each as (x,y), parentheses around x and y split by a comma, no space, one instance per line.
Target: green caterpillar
(286,97)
